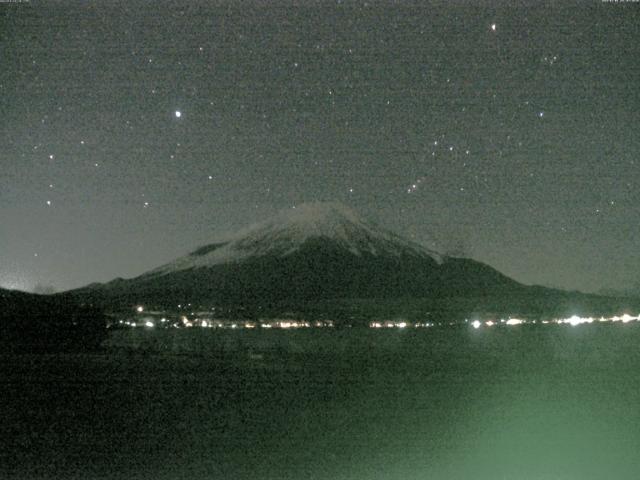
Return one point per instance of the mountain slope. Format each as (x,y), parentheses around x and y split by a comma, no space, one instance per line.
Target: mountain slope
(47,323)
(314,252)
(289,231)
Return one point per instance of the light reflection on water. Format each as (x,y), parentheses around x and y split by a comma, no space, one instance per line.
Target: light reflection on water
(492,403)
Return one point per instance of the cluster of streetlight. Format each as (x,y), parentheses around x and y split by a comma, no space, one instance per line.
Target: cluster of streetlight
(573,320)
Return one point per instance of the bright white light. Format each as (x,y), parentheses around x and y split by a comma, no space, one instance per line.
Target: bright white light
(575,320)
(204,323)
(627,318)
(493,27)
(514,321)
(149,324)
(476,324)
(489,323)
(178,113)
(140,309)
(401,324)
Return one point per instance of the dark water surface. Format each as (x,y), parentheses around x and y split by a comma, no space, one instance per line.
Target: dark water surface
(523,402)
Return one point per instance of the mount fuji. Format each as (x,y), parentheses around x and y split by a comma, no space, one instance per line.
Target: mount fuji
(314,252)
(291,231)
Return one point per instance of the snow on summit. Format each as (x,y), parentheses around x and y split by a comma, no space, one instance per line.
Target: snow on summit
(287,232)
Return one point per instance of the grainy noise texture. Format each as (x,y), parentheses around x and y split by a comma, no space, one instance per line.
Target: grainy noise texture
(134,132)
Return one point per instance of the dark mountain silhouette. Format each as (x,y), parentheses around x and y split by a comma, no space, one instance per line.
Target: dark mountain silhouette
(317,251)
(322,254)
(46,323)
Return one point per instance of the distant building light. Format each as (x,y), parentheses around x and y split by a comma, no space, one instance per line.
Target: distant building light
(627,318)
(476,323)
(140,309)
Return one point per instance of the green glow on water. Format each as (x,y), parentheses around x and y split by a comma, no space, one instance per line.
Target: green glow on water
(512,403)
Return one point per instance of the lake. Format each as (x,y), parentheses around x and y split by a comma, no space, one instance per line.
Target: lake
(523,402)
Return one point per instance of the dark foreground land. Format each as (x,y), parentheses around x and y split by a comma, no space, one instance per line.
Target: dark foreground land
(552,402)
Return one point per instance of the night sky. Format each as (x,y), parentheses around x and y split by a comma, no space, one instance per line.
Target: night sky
(133,132)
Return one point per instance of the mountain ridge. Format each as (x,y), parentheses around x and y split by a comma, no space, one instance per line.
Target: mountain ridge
(314,252)
(288,231)
(324,261)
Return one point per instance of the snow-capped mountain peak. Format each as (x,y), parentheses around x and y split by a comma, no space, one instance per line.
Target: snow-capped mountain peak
(289,230)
